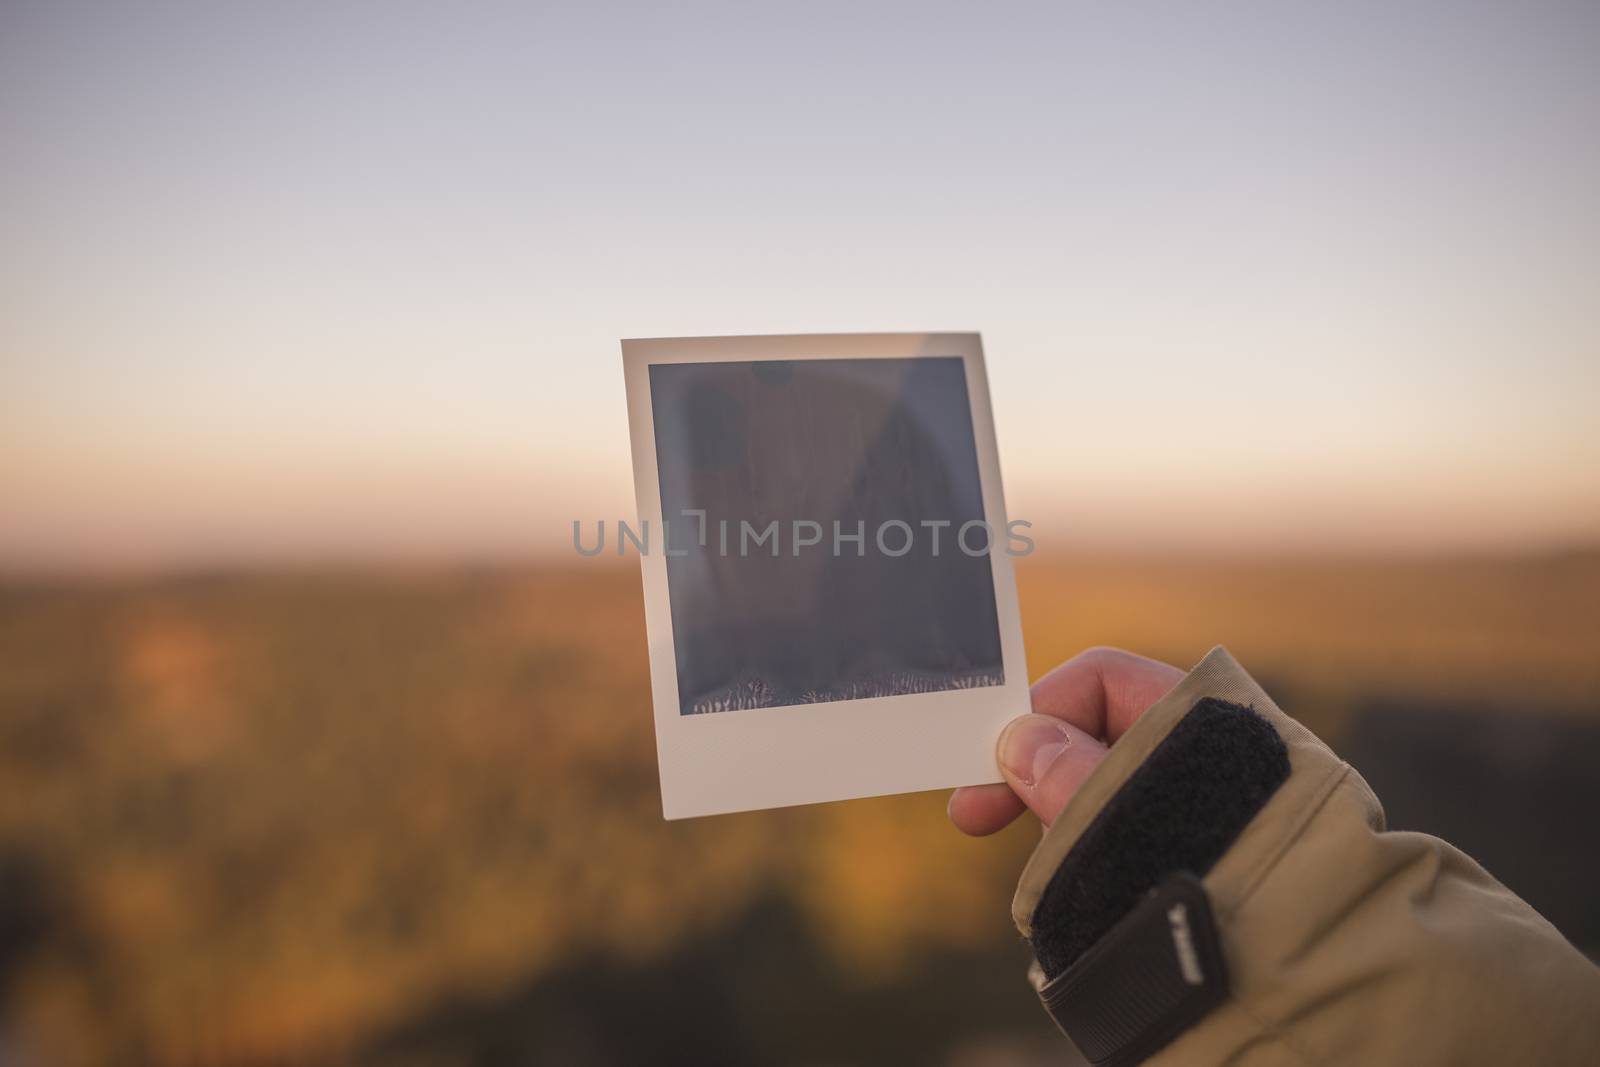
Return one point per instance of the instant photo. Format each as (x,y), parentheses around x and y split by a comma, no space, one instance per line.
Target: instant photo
(824,534)
(829,599)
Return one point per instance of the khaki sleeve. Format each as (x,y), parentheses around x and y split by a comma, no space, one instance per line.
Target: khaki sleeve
(1343,943)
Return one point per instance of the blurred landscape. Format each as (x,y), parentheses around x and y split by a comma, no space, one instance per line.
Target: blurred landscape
(410,816)
(1289,321)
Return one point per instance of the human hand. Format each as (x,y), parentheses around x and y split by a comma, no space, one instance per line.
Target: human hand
(1079,709)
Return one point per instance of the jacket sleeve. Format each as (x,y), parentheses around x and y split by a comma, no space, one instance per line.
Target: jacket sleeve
(1222,890)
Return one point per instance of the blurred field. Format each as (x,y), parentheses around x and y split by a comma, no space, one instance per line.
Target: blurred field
(411,818)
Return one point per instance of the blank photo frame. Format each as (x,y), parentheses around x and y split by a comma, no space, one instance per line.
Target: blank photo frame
(829,598)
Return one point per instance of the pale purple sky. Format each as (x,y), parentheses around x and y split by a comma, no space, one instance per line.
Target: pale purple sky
(300,280)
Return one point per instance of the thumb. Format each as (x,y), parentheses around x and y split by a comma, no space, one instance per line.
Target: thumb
(1045,760)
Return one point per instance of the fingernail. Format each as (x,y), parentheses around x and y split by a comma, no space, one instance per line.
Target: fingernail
(1030,744)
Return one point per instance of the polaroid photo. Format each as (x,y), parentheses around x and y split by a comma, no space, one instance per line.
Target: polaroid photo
(829,597)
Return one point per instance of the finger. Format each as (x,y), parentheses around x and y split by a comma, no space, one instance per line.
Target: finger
(980,810)
(1103,690)
(1100,692)
(1045,760)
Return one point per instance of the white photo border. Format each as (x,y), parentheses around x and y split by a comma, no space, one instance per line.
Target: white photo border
(775,757)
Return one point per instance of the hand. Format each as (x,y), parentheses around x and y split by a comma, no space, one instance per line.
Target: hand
(1079,709)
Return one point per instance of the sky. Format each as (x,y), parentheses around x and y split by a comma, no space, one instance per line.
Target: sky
(306,281)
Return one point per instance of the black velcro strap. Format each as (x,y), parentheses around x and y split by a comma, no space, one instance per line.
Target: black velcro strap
(1155,974)
(1180,811)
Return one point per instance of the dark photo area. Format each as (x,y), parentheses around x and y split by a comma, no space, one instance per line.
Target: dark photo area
(867,444)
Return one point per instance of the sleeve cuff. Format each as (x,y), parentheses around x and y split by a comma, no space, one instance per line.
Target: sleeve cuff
(1218,679)
(1178,812)
(1143,866)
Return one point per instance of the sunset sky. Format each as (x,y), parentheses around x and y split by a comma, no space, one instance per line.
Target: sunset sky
(303,281)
